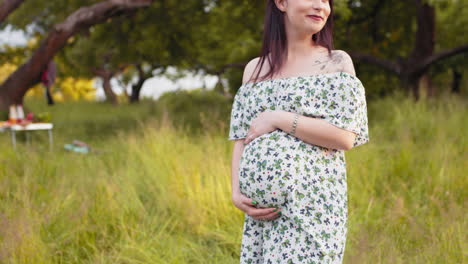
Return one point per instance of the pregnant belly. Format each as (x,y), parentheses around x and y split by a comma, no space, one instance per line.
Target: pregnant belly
(267,167)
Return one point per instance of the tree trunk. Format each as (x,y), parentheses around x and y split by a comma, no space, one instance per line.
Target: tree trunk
(50,99)
(426,85)
(110,95)
(457,76)
(142,77)
(106,77)
(136,88)
(7,7)
(431,88)
(424,42)
(28,74)
(410,86)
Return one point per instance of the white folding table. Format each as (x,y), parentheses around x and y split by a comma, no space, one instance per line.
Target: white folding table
(30,127)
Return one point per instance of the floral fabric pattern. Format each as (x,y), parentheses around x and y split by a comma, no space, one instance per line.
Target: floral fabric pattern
(308,182)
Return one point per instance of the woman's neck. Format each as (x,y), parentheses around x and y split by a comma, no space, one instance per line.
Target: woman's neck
(300,46)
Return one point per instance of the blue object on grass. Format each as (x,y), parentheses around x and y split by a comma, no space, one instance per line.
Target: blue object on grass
(75,148)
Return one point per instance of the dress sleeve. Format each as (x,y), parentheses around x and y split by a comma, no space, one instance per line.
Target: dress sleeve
(238,127)
(347,109)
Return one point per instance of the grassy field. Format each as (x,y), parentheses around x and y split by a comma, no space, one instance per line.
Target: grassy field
(155,193)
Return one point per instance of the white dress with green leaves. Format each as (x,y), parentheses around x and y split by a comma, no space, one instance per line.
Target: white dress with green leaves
(308,182)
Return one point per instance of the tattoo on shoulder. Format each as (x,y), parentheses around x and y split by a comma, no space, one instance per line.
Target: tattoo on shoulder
(335,62)
(337,58)
(331,64)
(339,61)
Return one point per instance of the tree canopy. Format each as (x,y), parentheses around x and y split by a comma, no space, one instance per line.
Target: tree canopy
(406,40)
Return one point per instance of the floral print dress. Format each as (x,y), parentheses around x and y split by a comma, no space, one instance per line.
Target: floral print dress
(308,182)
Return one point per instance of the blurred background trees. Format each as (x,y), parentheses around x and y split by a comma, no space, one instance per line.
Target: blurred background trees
(416,46)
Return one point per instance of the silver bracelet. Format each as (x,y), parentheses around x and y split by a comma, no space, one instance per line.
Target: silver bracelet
(296,116)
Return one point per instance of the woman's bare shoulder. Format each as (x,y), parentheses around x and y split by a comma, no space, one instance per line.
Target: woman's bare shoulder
(250,68)
(342,61)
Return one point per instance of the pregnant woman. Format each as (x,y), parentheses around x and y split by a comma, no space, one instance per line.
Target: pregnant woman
(292,119)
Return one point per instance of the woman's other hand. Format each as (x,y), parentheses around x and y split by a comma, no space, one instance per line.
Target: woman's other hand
(262,124)
(247,205)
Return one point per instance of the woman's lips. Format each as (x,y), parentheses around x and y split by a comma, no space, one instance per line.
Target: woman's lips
(317,18)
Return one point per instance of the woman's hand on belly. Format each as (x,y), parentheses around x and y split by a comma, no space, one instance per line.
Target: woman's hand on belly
(247,205)
(260,125)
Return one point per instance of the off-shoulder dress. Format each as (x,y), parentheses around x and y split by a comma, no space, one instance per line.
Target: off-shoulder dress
(308,182)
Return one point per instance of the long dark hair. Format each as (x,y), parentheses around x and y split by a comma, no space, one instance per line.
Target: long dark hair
(274,39)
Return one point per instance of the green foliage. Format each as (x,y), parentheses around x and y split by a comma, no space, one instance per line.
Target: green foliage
(234,77)
(386,32)
(196,109)
(3,115)
(233,33)
(154,38)
(451,22)
(44,13)
(91,120)
(207,35)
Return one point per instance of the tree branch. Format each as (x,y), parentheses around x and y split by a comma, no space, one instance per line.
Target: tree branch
(28,74)
(7,7)
(383,63)
(440,56)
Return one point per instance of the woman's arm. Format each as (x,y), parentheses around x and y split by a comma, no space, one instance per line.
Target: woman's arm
(239,144)
(315,131)
(236,154)
(318,131)
(244,203)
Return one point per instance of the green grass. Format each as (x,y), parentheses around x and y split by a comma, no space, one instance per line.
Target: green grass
(160,194)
